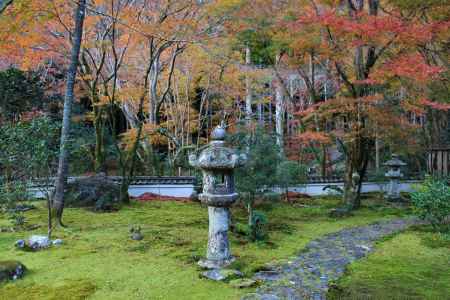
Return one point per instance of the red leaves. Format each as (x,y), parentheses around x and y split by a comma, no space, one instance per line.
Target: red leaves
(412,66)
(145,197)
(313,137)
(435,105)
(307,111)
(364,29)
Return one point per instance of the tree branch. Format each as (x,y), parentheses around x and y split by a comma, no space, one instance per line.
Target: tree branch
(4,4)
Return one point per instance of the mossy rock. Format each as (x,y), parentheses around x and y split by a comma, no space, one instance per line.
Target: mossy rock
(97,192)
(243,283)
(11,270)
(342,212)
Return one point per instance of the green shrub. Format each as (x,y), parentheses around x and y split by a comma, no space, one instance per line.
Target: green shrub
(12,193)
(432,203)
(258,229)
(17,219)
(290,173)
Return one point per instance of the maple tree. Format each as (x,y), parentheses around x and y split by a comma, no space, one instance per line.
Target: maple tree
(370,53)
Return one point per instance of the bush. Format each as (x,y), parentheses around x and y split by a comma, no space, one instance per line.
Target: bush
(29,149)
(432,203)
(12,193)
(290,173)
(258,231)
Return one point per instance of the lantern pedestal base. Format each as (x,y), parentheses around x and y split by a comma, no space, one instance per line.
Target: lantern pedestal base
(215,264)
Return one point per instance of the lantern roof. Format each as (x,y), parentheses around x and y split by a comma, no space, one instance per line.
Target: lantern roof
(394,162)
(217,156)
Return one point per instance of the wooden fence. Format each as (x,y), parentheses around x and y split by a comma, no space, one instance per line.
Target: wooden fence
(439,162)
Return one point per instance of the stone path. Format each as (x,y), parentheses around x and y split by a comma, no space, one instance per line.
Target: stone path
(307,276)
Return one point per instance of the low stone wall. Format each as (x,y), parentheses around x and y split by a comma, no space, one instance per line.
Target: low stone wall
(182,186)
(316,189)
(185,186)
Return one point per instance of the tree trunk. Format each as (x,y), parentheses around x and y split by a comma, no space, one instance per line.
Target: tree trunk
(49,218)
(153,90)
(324,161)
(99,141)
(63,167)
(248,88)
(362,174)
(260,114)
(279,113)
(348,186)
(377,153)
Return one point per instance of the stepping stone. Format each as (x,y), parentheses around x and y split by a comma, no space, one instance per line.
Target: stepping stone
(243,283)
(221,274)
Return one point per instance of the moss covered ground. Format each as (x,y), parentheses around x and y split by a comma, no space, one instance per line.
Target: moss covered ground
(412,265)
(99,261)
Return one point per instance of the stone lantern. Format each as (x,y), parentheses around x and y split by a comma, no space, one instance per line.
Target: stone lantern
(394,174)
(217,163)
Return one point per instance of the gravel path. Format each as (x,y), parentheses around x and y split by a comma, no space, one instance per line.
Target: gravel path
(307,276)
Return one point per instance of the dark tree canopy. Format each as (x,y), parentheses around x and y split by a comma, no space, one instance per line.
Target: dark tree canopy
(21,91)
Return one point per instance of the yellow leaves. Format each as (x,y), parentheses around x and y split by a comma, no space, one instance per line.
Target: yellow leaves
(130,93)
(87,77)
(101,44)
(128,138)
(30,33)
(103,100)
(222,7)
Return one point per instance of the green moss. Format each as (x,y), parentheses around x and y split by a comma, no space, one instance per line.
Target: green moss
(73,290)
(99,257)
(8,265)
(402,267)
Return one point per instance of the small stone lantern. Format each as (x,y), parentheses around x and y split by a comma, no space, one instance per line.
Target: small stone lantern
(394,174)
(217,163)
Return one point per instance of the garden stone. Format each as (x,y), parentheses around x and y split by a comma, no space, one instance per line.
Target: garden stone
(221,274)
(255,296)
(37,242)
(57,242)
(97,192)
(11,270)
(340,213)
(267,275)
(243,283)
(20,244)
(137,236)
(194,197)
